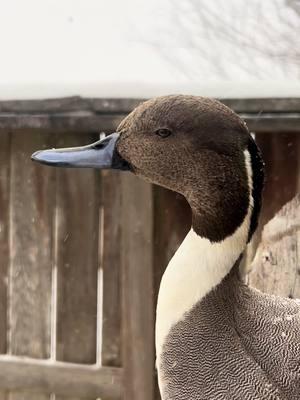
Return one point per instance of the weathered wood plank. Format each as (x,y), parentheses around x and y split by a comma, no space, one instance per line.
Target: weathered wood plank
(65,379)
(26,395)
(80,114)
(4,239)
(111,105)
(77,202)
(272,123)
(137,289)
(4,234)
(77,222)
(89,121)
(31,250)
(70,104)
(111,193)
(264,105)
(75,122)
(276,267)
(280,153)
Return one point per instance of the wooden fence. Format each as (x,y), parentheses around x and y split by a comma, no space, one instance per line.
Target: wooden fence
(82,252)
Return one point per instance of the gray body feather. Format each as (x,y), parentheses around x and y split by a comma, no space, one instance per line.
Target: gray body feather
(235,344)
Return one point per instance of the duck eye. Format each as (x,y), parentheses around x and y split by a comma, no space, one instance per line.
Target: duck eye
(164,132)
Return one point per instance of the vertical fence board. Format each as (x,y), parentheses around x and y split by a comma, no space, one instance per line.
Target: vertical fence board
(111,259)
(4,235)
(137,288)
(280,153)
(77,202)
(31,197)
(4,239)
(276,267)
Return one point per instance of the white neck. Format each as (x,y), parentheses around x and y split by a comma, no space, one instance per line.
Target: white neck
(196,268)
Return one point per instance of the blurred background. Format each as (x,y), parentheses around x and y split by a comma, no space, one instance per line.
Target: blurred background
(82,252)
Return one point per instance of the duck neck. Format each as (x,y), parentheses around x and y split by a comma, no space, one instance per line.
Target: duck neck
(198,266)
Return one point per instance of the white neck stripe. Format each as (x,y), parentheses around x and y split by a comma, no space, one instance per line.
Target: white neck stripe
(198,266)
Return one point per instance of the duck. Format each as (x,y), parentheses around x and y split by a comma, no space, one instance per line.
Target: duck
(216,337)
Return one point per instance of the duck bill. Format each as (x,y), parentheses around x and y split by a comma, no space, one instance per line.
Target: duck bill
(101,155)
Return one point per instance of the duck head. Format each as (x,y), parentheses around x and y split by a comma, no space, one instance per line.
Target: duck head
(192,145)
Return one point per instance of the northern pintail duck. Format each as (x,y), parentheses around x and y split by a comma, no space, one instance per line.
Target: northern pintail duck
(216,337)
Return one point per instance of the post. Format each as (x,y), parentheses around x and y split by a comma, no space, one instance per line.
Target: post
(137,287)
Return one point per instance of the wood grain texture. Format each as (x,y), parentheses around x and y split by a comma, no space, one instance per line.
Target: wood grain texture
(111,105)
(31,196)
(27,395)
(280,152)
(272,122)
(37,376)
(85,114)
(31,248)
(4,234)
(69,104)
(79,122)
(276,267)
(264,105)
(137,289)
(75,122)
(77,207)
(282,164)
(111,196)
(4,240)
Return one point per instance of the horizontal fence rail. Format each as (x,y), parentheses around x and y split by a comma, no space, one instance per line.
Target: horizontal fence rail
(88,114)
(65,379)
(125,105)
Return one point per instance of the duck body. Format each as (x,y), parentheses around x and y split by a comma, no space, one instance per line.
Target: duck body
(236,343)
(216,338)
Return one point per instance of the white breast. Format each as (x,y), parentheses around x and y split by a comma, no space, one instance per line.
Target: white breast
(197,267)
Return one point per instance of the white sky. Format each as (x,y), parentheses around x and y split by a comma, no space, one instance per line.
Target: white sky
(142,48)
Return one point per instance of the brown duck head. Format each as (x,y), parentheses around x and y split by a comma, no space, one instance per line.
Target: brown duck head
(189,144)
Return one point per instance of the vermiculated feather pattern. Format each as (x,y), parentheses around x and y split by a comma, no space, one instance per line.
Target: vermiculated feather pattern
(235,344)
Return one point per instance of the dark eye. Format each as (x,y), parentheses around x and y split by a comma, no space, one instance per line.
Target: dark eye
(164,132)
